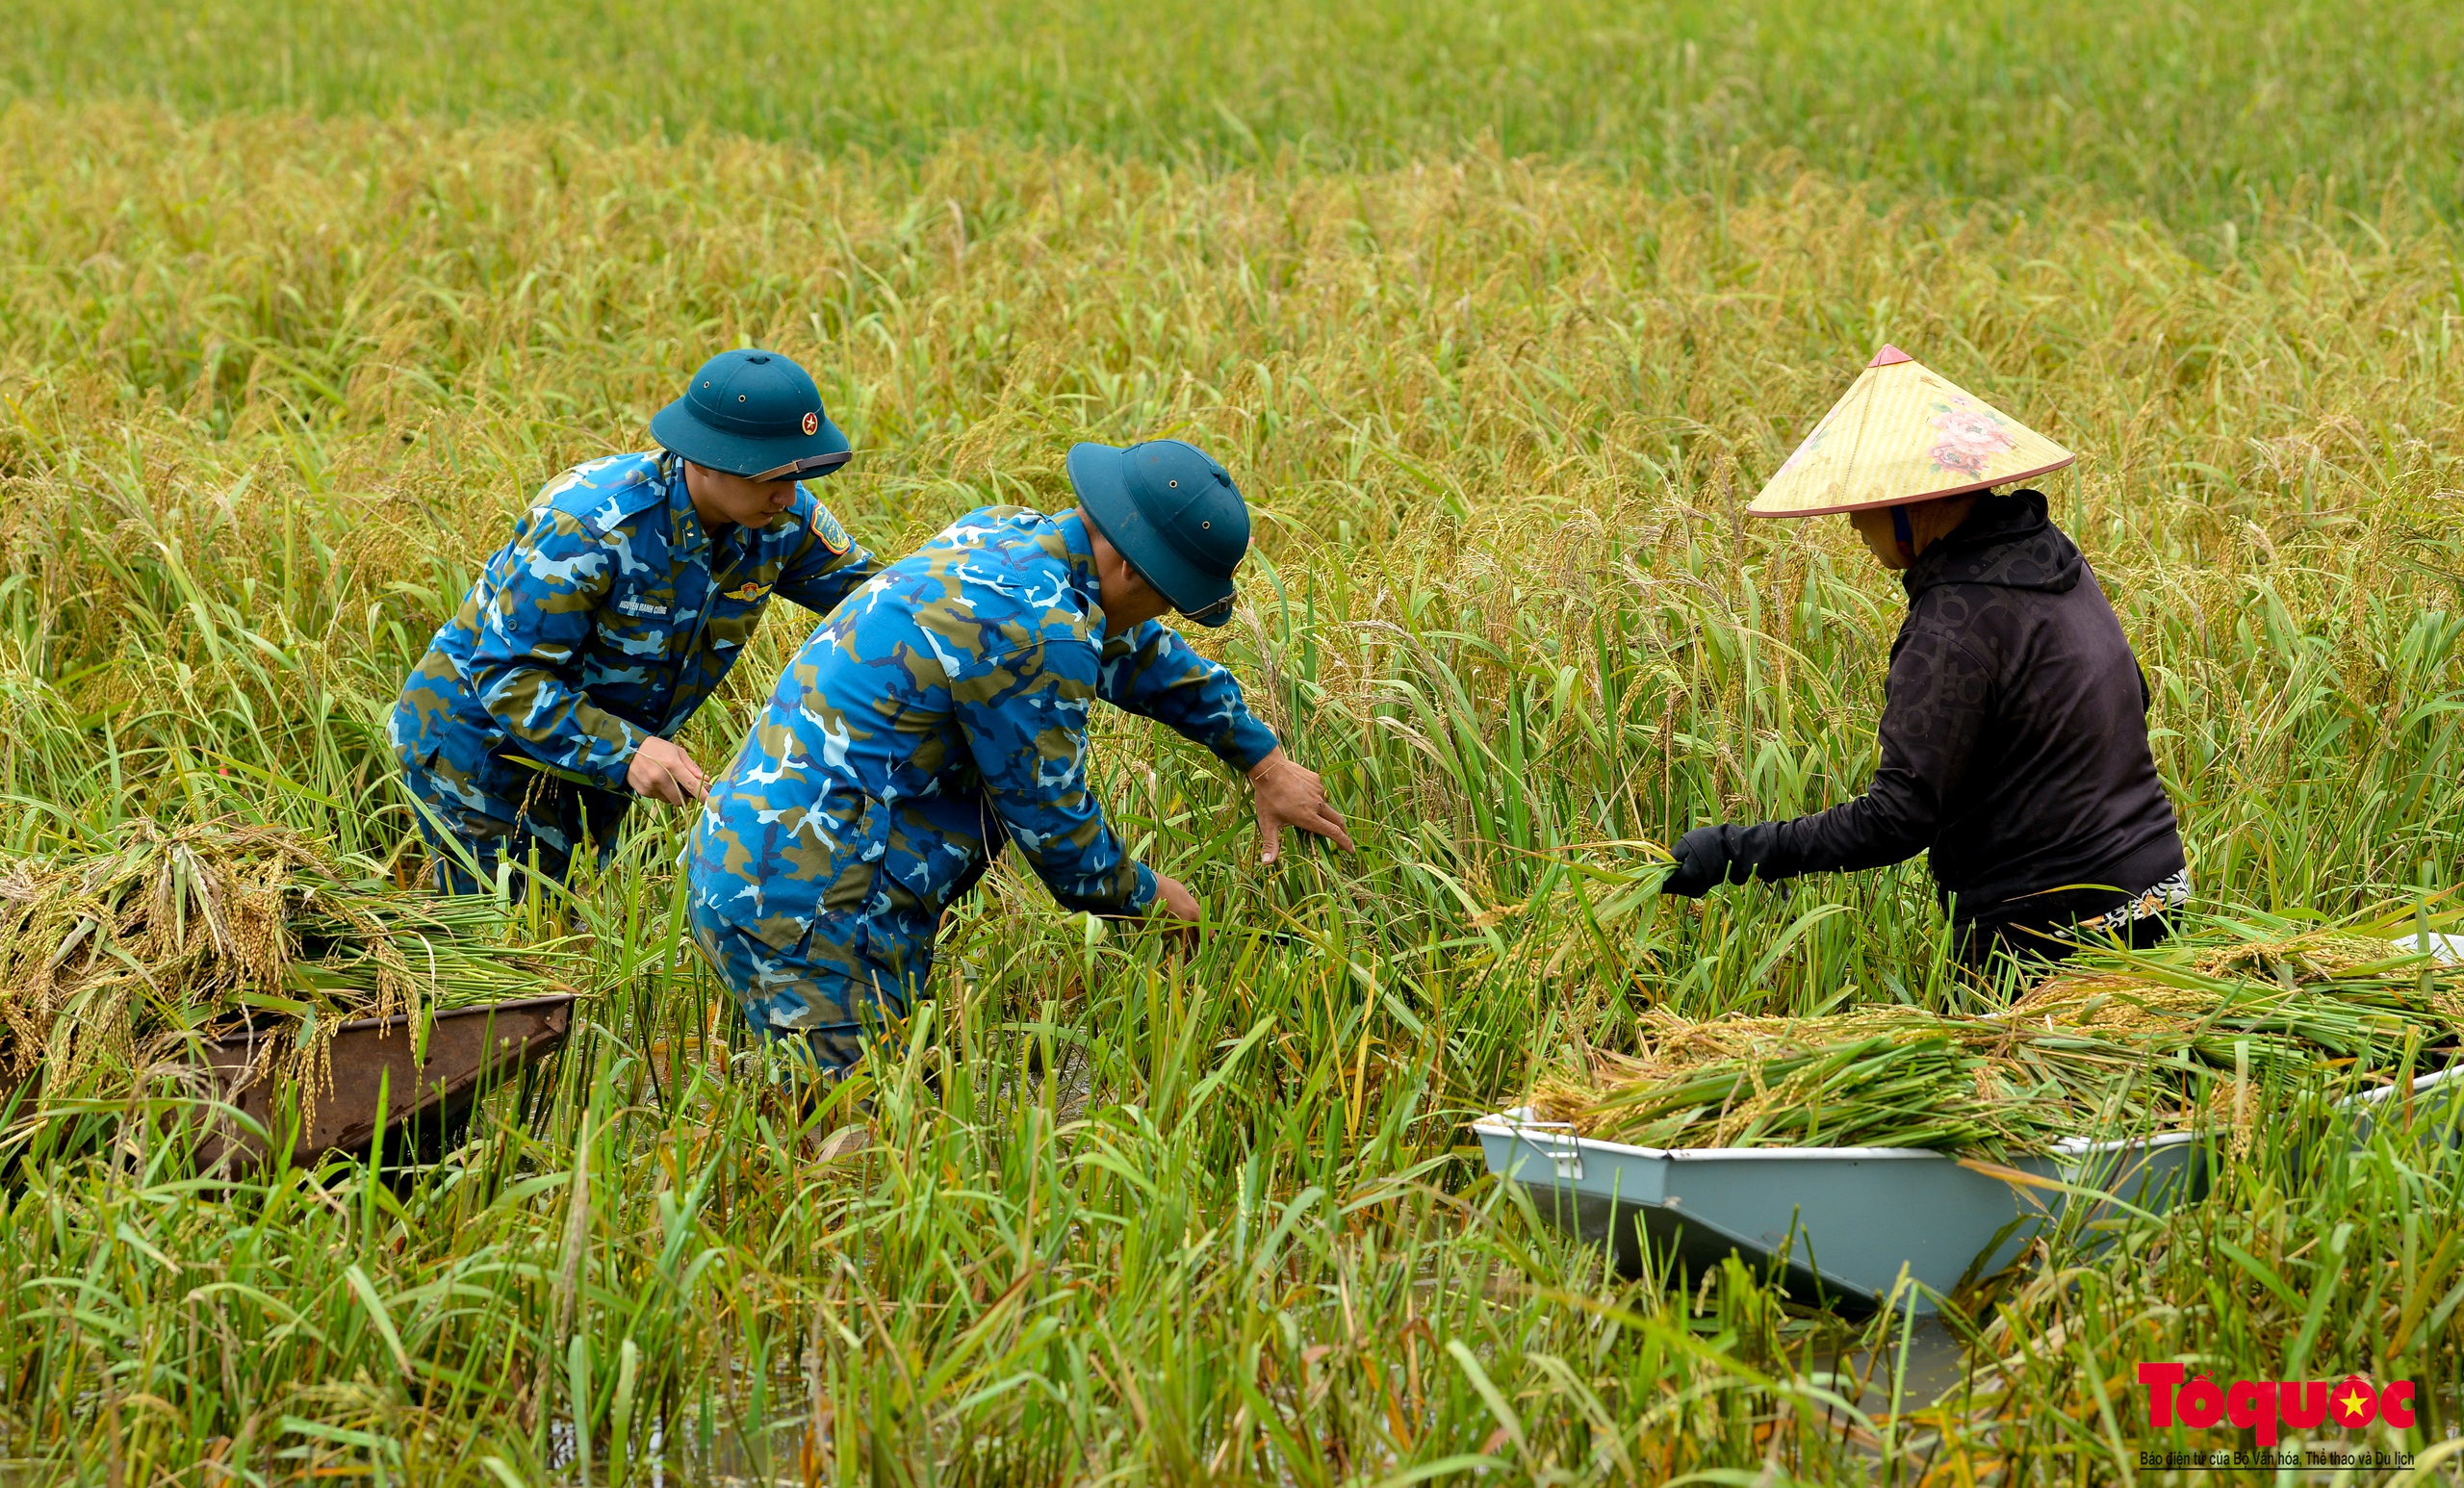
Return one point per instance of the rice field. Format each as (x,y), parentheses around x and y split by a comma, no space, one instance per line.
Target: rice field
(1500,314)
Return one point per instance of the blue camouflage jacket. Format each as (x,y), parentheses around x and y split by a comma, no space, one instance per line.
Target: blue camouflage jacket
(939,713)
(610,617)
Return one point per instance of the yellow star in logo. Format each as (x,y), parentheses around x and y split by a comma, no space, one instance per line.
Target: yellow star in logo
(2352,1404)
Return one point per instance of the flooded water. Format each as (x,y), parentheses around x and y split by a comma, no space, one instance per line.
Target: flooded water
(774,1460)
(1923,1357)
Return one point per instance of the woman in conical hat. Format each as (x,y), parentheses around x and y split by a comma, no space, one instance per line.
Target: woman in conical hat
(2015,723)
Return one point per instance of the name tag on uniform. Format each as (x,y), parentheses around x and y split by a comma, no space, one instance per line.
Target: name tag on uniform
(632,606)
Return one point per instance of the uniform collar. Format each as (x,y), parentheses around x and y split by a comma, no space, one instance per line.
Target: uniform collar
(1072,526)
(692,540)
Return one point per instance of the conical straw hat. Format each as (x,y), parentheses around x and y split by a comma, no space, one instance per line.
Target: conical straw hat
(1903,434)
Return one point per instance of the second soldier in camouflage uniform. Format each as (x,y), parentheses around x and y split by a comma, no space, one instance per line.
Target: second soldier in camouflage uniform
(552,699)
(942,712)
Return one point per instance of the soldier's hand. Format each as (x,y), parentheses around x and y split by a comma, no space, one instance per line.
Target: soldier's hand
(663,771)
(1173,898)
(1289,793)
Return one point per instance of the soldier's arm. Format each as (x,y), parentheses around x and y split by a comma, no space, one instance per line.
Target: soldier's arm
(1025,720)
(1150,670)
(827,566)
(531,627)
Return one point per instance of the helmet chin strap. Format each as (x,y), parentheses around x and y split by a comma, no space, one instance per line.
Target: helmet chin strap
(1900,529)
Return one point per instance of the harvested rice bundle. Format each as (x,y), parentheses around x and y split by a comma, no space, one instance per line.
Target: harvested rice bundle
(1879,1077)
(1909,1086)
(109,957)
(2129,1042)
(2352,996)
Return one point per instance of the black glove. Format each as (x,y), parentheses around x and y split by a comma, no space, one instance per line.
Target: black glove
(1702,864)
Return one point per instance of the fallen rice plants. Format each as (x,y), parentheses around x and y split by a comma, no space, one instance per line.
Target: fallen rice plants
(1500,317)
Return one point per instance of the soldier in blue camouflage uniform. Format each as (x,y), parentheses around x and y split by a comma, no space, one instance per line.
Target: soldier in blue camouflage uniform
(553,698)
(941,713)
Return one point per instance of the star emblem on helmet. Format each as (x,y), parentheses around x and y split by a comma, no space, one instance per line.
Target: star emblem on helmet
(812,423)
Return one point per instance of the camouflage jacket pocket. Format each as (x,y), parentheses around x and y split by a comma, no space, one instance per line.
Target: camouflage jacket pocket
(858,829)
(773,870)
(938,847)
(625,664)
(736,611)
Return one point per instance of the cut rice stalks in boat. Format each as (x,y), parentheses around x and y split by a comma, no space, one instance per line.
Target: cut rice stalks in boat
(2131,1041)
(112,959)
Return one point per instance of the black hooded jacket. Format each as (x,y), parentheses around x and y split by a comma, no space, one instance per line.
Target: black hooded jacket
(2014,738)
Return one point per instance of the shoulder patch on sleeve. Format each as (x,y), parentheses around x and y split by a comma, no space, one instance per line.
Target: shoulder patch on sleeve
(826,528)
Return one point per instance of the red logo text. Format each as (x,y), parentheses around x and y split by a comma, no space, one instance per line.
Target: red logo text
(2262,1405)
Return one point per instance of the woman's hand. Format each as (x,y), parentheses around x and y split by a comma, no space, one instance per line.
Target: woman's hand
(1702,864)
(1287,793)
(664,772)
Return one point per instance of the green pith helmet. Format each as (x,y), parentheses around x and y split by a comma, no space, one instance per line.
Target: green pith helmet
(1173,513)
(754,413)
